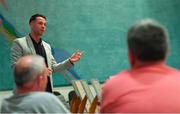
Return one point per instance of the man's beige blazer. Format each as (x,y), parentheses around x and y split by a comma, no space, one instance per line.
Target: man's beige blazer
(24,46)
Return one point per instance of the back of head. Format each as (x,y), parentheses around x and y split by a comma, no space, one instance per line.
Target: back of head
(28,68)
(148,40)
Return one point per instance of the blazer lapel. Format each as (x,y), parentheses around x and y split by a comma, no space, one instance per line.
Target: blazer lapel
(47,54)
(30,44)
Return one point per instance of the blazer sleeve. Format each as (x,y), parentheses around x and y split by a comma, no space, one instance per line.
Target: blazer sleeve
(16,52)
(62,66)
(58,67)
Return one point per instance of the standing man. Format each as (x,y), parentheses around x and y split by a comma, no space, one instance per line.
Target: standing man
(32,44)
(30,75)
(150,85)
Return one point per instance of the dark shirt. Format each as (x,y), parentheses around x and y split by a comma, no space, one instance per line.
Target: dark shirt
(39,48)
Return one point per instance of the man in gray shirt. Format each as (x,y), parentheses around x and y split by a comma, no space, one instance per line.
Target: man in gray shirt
(30,74)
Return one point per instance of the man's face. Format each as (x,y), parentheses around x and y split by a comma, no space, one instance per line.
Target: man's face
(38,26)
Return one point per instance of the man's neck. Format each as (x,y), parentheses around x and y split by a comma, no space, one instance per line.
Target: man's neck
(22,91)
(139,64)
(35,37)
(27,88)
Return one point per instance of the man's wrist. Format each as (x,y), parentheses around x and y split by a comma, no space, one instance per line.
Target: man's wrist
(71,62)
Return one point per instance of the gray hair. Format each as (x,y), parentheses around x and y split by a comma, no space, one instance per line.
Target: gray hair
(28,68)
(148,40)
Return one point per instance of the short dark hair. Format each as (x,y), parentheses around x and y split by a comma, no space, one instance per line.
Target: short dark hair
(148,40)
(33,17)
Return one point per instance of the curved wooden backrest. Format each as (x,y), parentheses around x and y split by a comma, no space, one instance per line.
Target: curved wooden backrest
(93,105)
(75,104)
(82,105)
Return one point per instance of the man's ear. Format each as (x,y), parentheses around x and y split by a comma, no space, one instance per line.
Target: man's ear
(39,80)
(131,58)
(31,24)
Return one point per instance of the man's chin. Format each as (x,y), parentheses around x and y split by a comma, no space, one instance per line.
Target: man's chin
(41,33)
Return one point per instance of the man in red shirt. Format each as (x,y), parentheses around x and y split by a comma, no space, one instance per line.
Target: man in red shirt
(149,85)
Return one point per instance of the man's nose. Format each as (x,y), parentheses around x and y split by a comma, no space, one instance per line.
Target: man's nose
(43,26)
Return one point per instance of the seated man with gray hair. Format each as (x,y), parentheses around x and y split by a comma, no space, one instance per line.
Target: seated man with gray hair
(149,85)
(30,74)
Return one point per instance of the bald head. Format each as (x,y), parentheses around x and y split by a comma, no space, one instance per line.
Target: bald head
(27,68)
